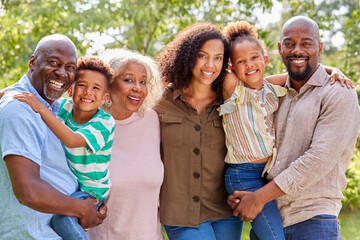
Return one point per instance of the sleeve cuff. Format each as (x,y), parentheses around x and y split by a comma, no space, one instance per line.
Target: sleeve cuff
(286,183)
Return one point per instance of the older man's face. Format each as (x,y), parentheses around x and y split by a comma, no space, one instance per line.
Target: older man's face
(300,50)
(53,69)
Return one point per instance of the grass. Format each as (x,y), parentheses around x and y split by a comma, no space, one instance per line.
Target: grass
(349,225)
(350,230)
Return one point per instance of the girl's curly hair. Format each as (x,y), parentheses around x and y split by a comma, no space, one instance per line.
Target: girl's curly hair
(177,60)
(236,32)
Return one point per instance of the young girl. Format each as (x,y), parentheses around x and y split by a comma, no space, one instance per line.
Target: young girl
(87,135)
(248,122)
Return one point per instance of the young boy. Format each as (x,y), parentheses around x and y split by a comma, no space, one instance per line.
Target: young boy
(87,135)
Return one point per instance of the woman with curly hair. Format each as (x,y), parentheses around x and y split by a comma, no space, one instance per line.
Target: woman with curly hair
(135,166)
(193,196)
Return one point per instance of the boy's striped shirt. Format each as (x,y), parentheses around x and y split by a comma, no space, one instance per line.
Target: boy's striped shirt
(90,163)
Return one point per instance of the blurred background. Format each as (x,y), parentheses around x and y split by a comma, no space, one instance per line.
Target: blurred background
(147,25)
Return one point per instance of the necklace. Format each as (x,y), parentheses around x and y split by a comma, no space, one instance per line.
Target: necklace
(191,96)
(196,104)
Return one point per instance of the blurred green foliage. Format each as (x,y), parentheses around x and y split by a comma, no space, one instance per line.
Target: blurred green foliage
(352,191)
(147,25)
(143,25)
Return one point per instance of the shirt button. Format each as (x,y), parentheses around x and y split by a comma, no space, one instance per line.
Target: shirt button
(196,175)
(267,130)
(208,110)
(262,105)
(296,98)
(265,118)
(196,151)
(197,127)
(196,198)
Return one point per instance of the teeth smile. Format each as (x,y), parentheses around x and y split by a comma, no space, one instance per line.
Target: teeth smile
(56,84)
(134,98)
(207,73)
(252,72)
(86,100)
(298,61)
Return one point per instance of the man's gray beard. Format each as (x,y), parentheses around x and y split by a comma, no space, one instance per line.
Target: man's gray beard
(51,98)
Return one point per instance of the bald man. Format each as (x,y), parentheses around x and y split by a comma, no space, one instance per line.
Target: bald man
(35,180)
(316,130)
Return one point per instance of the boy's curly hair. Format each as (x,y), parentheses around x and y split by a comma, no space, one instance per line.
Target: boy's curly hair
(95,64)
(178,58)
(236,32)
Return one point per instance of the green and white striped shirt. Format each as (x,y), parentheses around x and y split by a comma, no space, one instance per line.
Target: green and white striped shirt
(90,163)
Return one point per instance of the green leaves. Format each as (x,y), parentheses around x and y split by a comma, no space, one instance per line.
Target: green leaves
(352,191)
(147,25)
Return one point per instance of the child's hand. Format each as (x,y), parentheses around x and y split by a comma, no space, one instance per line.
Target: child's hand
(3,91)
(337,75)
(229,85)
(31,100)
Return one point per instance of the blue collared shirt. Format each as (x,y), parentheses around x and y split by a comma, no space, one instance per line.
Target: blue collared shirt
(23,133)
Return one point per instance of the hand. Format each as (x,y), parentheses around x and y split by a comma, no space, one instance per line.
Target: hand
(31,100)
(233,202)
(100,216)
(90,217)
(337,75)
(250,205)
(3,91)
(102,213)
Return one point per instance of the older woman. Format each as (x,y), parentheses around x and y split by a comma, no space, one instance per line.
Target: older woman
(193,196)
(136,170)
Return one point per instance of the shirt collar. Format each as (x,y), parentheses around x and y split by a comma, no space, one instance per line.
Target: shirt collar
(318,78)
(267,89)
(176,93)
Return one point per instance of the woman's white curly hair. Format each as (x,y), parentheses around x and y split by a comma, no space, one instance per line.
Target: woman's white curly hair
(118,59)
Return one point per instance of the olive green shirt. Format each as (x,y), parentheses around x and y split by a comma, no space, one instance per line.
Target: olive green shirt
(193,152)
